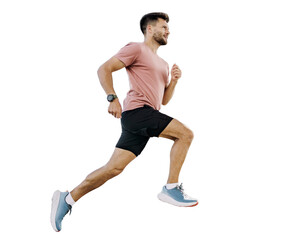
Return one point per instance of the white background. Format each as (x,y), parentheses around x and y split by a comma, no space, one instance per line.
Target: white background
(236,94)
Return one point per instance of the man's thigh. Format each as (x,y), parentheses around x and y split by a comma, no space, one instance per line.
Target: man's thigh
(175,130)
(121,158)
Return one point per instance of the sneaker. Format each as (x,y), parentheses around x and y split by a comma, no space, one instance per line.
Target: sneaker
(59,209)
(177,197)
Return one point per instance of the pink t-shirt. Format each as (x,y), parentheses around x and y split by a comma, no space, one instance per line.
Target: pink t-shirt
(148,76)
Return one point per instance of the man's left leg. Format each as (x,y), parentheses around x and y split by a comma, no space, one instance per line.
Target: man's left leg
(182,136)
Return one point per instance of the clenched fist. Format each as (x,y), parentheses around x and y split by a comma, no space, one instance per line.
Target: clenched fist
(115,108)
(176,73)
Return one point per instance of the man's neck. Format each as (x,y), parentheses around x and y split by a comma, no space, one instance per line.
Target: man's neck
(153,45)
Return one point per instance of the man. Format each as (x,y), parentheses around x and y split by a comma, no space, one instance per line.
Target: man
(140,117)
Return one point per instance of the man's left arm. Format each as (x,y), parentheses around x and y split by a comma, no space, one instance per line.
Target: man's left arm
(169,91)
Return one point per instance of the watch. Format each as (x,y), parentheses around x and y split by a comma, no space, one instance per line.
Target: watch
(111,97)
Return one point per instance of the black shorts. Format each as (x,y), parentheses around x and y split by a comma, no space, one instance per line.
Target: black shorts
(138,125)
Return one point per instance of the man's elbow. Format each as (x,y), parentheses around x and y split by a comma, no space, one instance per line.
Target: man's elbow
(101,70)
(164,102)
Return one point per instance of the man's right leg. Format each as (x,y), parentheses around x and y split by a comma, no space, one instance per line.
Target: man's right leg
(118,161)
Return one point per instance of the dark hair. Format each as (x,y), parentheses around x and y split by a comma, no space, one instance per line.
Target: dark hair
(152,17)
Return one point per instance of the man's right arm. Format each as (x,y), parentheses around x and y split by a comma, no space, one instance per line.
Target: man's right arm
(105,77)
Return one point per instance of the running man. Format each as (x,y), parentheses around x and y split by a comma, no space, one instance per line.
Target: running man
(140,117)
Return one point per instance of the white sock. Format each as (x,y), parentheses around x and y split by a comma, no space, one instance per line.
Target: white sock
(171,185)
(69,200)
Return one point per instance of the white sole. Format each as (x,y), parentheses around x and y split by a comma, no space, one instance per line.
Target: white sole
(165,198)
(54,206)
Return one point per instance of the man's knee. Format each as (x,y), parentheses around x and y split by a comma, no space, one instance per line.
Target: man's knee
(113,171)
(117,163)
(188,135)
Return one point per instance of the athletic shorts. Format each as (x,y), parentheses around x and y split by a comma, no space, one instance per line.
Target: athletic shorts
(138,125)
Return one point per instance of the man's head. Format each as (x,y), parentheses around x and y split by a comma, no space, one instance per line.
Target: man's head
(155,25)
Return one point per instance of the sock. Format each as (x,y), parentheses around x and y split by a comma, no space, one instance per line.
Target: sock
(69,200)
(171,185)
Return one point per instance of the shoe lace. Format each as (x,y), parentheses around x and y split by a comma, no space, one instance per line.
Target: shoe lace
(181,188)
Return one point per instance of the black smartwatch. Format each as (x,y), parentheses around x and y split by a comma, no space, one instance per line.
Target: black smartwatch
(111,97)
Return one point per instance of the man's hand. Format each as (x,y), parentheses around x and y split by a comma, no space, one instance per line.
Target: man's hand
(176,73)
(115,108)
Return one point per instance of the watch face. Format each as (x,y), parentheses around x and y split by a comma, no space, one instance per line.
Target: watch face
(110,98)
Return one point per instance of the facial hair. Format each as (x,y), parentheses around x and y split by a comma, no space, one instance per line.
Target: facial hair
(159,38)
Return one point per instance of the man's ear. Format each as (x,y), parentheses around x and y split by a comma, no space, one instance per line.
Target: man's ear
(149,28)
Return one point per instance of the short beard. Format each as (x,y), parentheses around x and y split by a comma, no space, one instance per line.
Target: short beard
(159,39)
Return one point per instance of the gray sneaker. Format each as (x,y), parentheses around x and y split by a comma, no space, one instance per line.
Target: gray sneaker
(177,197)
(59,209)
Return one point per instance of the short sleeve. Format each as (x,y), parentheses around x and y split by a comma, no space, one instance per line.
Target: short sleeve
(129,53)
